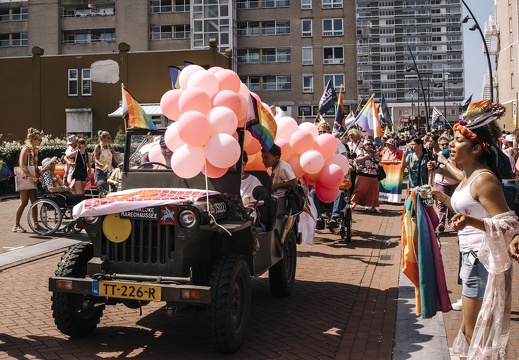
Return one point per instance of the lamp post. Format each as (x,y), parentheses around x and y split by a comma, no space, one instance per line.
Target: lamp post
(415,68)
(472,28)
(412,102)
(445,76)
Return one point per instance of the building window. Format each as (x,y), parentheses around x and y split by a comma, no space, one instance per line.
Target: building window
(308,84)
(72,82)
(181,6)
(248,29)
(276,28)
(212,19)
(19,14)
(86,82)
(308,56)
(249,56)
(306,4)
(511,53)
(160,6)
(337,80)
(332,4)
(181,31)
(332,27)
(306,28)
(161,32)
(88,36)
(278,82)
(275,55)
(333,55)
(248,4)
(88,10)
(275,3)
(14,39)
(252,82)
(512,81)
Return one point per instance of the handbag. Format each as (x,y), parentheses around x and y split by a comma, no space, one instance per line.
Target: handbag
(381,173)
(24,182)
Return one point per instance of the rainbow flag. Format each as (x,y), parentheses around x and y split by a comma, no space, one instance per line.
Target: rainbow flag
(339,114)
(368,119)
(261,124)
(133,114)
(5,172)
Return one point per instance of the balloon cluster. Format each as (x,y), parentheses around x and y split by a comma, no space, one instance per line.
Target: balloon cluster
(208,108)
(311,155)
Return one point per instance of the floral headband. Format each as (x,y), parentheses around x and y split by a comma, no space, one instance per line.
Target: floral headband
(478,114)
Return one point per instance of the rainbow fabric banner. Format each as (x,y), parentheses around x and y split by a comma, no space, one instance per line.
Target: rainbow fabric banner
(5,172)
(390,189)
(133,114)
(261,124)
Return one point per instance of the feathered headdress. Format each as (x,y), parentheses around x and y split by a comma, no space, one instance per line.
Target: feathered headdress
(478,114)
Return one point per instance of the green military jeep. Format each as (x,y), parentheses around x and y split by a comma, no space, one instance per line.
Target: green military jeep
(185,242)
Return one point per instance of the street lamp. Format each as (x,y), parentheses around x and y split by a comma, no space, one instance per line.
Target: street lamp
(477,27)
(415,68)
(412,92)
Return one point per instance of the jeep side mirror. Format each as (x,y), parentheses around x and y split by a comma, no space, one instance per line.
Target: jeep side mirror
(259,193)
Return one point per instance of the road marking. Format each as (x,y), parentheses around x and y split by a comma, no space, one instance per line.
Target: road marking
(11,248)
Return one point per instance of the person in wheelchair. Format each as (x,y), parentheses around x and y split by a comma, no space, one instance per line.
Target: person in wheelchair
(54,187)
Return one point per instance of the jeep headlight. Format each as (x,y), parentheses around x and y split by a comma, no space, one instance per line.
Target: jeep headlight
(187,219)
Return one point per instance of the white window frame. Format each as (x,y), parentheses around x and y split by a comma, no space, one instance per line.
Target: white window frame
(73,78)
(306,4)
(86,82)
(308,58)
(337,80)
(307,33)
(331,4)
(183,33)
(333,59)
(333,22)
(308,89)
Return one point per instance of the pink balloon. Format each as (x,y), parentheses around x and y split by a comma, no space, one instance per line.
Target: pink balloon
(286,127)
(311,161)
(326,144)
(173,141)
(222,120)
(194,99)
(155,154)
(186,73)
(212,171)
(254,146)
(326,194)
(296,166)
(214,69)
(266,106)
(340,160)
(286,149)
(205,81)
(188,161)
(247,138)
(244,91)
(301,141)
(244,108)
(193,128)
(169,104)
(310,127)
(228,99)
(222,150)
(228,80)
(331,176)
(256,96)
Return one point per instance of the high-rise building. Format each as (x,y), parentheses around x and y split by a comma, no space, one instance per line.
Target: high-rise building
(411,52)
(285,51)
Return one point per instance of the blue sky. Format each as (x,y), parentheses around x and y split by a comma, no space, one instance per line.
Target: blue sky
(475,61)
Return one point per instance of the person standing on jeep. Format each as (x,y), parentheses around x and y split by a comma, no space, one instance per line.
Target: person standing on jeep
(104,154)
(280,171)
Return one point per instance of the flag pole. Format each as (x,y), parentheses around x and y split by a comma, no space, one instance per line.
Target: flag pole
(125,119)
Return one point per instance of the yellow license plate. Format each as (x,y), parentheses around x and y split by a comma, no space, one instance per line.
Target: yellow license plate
(123,290)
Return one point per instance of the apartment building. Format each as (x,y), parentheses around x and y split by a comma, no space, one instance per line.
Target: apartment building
(411,52)
(285,51)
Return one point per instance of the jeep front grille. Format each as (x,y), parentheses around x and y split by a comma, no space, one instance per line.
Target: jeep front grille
(149,243)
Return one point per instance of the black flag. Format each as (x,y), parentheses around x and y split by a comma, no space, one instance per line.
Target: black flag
(386,116)
(328,99)
(465,104)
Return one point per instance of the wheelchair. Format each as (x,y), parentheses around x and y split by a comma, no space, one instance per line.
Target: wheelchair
(344,222)
(51,213)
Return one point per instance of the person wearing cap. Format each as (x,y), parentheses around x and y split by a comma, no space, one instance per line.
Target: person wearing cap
(53,184)
(28,157)
(71,147)
(390,152)
(104,155)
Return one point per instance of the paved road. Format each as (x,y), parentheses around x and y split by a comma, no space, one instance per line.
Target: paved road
(349,302)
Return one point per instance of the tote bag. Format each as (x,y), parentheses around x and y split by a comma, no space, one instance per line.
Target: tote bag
(22,181)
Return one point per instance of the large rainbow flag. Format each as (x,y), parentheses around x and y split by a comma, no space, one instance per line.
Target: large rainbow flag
(261,124)
(368,119)
(133,114)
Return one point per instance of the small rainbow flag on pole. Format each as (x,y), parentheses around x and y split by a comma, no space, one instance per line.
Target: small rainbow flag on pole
(5,172)
(261,124)
(133,114)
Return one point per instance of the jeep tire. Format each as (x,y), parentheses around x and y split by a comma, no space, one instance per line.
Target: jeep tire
(229,310)
(68,310)
(283,274)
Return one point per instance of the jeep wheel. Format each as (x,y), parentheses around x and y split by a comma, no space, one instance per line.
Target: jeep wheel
(283,274)
(230,302)
(75,314)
